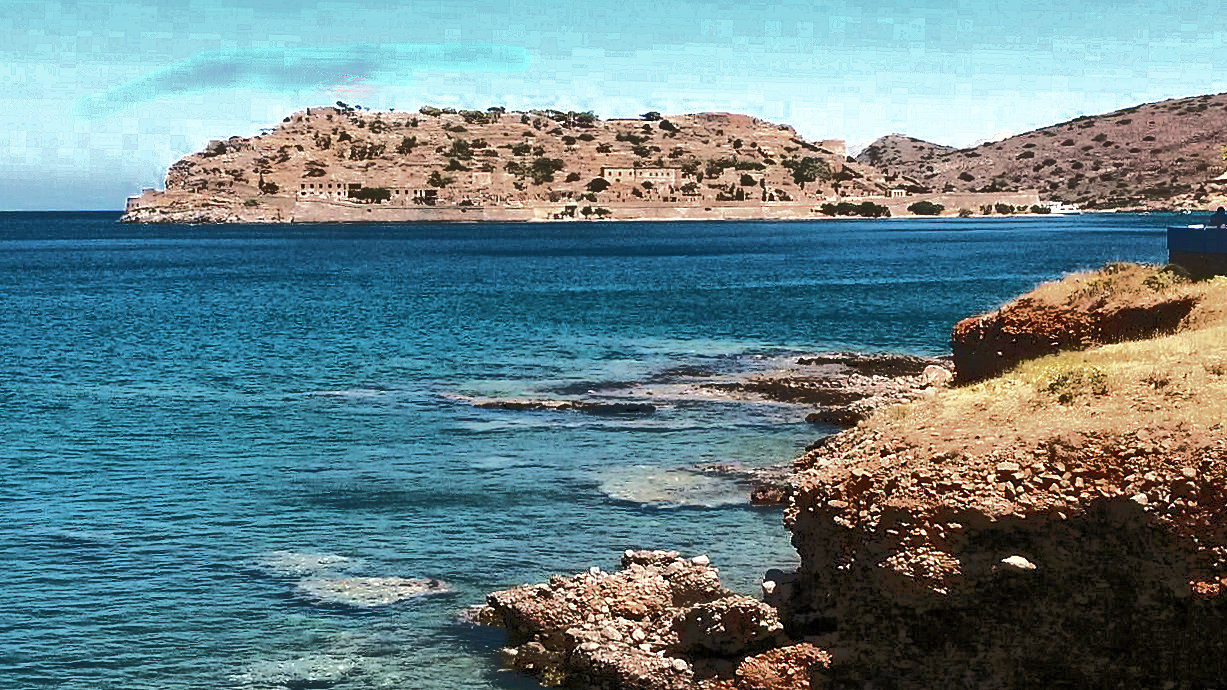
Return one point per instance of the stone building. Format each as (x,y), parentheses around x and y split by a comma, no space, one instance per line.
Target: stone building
(632,175)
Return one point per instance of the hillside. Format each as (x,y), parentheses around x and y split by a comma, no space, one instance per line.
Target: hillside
(351,164)
(1149,156)
(897,155)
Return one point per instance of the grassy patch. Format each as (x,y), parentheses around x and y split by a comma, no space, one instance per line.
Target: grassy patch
(1174,381)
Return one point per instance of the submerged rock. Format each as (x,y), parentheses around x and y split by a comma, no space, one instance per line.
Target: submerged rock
(299,564)
(366,592)
(845,388)
(585,406)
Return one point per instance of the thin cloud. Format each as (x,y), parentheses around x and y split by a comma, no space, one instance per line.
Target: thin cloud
(298,69)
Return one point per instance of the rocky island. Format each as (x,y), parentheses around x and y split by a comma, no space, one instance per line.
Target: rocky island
(348,164)
(1057,520)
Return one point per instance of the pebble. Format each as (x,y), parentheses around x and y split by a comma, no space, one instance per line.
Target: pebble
(1018,562)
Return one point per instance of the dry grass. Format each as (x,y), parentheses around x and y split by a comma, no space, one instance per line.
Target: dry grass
(1117,283)
(1173,382)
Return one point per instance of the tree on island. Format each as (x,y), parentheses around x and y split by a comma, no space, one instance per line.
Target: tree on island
(373,195)
(406,146)
(437,179)
(652,116)
(926,208)
(598,185)
(542,169)
(808,169)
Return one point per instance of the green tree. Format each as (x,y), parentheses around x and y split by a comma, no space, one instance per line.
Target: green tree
(808,169)
(542,169)
(373,195)
(460,149)
(406,145)
(926,208)
(598,185)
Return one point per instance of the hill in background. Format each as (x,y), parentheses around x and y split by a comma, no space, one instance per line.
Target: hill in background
(1152,155)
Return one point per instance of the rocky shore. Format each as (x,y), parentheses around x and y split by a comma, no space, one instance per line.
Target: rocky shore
(1058,524)
(662,621)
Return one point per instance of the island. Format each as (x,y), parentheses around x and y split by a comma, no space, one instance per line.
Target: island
(345,163)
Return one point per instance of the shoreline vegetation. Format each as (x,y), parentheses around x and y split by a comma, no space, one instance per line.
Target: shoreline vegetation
(1053,517)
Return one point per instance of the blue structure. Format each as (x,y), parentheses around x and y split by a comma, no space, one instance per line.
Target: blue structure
(1200,251)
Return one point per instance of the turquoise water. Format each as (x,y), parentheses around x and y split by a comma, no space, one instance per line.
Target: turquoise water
(193,420)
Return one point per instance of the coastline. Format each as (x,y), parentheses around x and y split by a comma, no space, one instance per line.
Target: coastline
(910,513)
(167,207)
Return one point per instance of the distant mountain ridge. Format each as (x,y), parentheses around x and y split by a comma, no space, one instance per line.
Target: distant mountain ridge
(1152,155)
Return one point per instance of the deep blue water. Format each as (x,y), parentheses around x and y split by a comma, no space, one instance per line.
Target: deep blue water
(183,409)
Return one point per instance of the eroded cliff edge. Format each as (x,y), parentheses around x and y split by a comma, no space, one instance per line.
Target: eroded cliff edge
(1058,524)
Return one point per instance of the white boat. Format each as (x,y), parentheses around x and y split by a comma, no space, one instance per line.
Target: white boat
(1060,209)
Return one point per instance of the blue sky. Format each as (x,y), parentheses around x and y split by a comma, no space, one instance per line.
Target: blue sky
(101,96)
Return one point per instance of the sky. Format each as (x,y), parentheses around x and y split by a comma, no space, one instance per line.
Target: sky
(99,97)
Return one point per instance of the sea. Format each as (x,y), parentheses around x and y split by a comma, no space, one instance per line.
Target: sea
(219,444)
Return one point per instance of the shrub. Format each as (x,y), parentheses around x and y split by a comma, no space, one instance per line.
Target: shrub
(437,179)
(573,177)
(1068,383)
(865,209)
(406,145)
(630,137)
(598,184)
(460,149)
(1166,277)
(926,208)
(966,176)
(748,181)
(1037,209)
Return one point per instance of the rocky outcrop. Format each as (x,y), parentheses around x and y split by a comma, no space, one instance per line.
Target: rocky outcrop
(1082,562)
(846,388)
(1018,533)
(660,623)
(1104,309)
(592,407)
